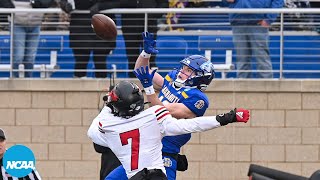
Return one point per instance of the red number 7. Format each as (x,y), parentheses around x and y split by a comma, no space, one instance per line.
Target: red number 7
(135,136)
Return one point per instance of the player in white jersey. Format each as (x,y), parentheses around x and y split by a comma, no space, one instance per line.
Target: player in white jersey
(135,134)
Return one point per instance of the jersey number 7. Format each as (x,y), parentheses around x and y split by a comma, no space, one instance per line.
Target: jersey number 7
(135,136)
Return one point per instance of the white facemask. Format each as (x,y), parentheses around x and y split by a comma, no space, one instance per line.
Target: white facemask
(178,83)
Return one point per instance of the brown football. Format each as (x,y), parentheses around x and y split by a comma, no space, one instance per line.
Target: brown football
(104,27)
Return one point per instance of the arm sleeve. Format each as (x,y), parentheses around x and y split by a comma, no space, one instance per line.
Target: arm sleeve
(95,132)
(170,126)
(197,103)
(275,4)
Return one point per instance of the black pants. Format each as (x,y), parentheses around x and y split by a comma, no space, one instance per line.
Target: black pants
(132,28)
(152,174)
(82,57)
(109,162)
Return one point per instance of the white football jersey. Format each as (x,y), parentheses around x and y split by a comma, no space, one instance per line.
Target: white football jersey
(137,141)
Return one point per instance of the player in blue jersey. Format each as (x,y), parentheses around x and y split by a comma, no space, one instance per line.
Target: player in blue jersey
(181,91)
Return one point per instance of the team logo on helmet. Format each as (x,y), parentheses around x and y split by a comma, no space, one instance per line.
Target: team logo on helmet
(199,104)
(186,61)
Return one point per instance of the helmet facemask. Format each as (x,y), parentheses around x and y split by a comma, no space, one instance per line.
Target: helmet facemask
(201,76)
(178,83)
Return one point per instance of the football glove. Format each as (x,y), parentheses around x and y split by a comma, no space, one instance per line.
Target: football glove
(144,76)
(236,115)
(149,43)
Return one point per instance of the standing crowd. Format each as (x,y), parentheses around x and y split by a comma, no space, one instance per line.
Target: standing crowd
(250,33)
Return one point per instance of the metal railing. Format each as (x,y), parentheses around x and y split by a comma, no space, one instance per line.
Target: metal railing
(194,11)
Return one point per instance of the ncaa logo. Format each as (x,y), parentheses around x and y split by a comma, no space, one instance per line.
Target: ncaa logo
(19,161)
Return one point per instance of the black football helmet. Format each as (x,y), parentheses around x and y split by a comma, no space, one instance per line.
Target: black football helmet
(126,99)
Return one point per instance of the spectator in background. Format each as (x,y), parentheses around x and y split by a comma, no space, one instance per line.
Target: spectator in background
(133,25)
(26,33)
(173,18)
(4,17)
(316,20)
(198,4)
(301,21)
(84,41)
(34,175)
(251,36)
(53,19)
(6,4)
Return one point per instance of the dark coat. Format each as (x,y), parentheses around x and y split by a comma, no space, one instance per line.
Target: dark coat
(6,4)
(146,4)
(81,32)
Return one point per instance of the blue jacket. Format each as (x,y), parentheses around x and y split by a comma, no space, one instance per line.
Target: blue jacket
(251,19)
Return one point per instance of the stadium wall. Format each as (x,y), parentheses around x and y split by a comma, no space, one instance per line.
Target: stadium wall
(52,117)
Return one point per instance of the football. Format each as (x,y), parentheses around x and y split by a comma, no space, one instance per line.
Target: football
(104,27)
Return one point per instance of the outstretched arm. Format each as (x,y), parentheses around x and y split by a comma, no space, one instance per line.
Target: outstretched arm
(177,110)
(143,59)
(171,126)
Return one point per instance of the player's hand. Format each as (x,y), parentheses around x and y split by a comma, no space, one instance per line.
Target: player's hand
(236,115)
(149,43)
(65,6)
(144,76)
(242,115)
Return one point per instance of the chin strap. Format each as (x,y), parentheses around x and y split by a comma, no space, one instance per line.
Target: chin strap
(178,83)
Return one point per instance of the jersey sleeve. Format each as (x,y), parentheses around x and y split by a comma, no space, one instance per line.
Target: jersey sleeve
(197,102)
(172,126)
(95,132)
(161,113)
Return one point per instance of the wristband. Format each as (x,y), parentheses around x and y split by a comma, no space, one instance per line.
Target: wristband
(145,55)
(149,90)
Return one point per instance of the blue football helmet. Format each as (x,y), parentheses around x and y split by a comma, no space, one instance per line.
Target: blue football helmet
(203,72)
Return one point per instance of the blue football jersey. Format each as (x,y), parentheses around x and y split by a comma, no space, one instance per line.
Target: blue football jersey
(192,98)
